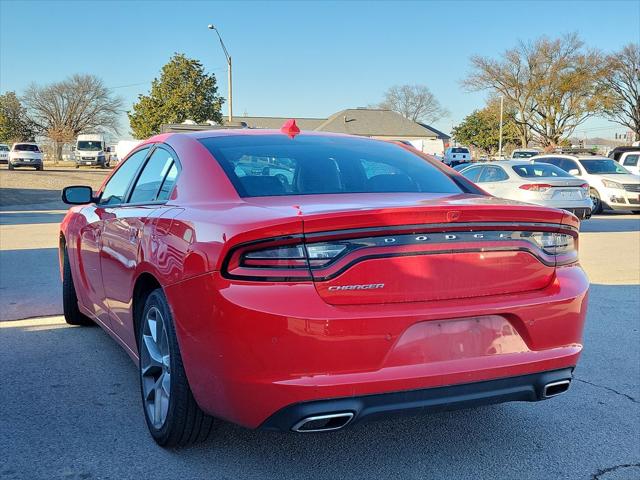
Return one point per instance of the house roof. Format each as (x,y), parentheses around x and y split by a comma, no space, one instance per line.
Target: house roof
(373,122)
(368,122)
(276,122)
(438,133)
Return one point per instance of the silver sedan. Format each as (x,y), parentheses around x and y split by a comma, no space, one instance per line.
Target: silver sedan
(539,183)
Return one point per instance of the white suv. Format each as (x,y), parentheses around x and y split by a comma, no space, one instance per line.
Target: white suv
(456,155)
(25,154)
(610,184)
(4,153)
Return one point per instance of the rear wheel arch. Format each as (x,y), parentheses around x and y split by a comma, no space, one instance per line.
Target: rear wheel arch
(144,285)
(62,247)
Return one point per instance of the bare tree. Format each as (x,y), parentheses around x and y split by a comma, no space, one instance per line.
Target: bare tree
(79,104)
(622,81)
(552,84)
(415,102)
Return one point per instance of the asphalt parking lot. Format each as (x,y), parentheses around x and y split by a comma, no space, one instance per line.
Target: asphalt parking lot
(71,408)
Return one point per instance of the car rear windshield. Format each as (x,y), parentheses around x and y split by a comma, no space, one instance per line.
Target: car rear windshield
(539,170)
(25,147)
(4,148)
(603,166)
(273,165)
(523,154)
(459,150)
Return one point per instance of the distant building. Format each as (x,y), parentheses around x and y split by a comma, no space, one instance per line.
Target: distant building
(366,122)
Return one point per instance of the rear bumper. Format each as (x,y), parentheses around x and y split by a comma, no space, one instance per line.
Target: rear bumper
(581,213)
(24,163)
(524,388)
(251,349)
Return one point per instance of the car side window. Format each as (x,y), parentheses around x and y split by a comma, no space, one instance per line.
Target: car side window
(493,174)
(631,160)
(472,173)
(549,160)
(567,164)
(117,186)
(150,180)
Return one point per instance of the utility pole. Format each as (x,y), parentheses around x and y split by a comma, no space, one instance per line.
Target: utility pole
(229,84)
(500,140)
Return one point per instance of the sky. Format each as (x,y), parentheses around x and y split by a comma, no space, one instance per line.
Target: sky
(296,59)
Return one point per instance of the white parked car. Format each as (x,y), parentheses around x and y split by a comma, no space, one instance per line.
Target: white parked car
(4,153)
(25,154)
(532,183)
(611,185)
(629,160)
(456,155)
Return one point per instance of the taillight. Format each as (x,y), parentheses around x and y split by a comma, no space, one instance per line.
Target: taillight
(563,246)
(289,259)
(536,187)
(585,186)
(279,257)
(289,262)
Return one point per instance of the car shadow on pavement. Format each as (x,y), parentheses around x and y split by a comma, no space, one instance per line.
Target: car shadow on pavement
(70,399)
(611,223)
(30,217)
(29,283)
(34,197)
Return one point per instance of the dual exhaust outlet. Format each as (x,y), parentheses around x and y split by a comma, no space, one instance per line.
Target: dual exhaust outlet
(336,421)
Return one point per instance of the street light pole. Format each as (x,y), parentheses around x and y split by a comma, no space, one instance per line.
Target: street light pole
(229,85)
(500,140)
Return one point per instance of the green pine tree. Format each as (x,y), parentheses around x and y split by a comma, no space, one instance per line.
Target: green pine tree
(183,91)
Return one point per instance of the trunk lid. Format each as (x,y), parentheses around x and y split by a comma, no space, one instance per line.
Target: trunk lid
(417,247)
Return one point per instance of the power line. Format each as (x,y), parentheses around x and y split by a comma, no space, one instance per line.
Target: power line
(129,85)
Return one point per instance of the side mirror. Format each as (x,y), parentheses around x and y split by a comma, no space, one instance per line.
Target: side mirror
(77,195)
(574,171)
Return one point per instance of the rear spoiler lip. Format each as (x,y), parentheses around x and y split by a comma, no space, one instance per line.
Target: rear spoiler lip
(445,227)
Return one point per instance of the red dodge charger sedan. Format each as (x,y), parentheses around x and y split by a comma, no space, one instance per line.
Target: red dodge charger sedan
(306,281)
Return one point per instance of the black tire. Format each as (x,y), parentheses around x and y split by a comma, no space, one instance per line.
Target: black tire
(40,168)
(185,422)
(10,167)
(72,313)
(597,202)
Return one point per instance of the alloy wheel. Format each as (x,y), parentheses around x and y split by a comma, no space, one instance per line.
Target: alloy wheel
(595,198)
(155,367)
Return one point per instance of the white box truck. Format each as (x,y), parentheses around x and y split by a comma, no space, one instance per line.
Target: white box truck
(123,148)
(431,146)
(91,149)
